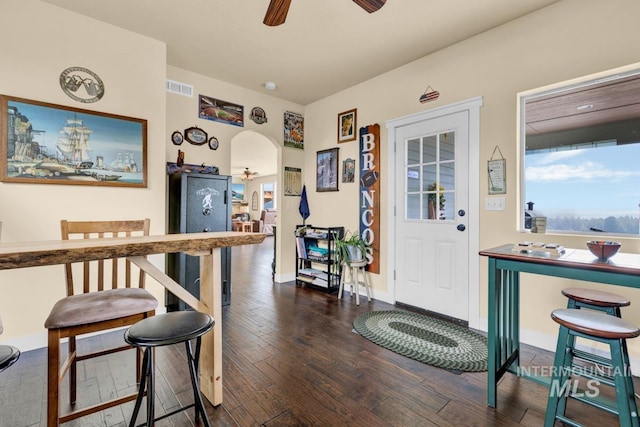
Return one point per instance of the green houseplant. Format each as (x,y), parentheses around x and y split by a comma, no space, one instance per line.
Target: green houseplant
(349,247)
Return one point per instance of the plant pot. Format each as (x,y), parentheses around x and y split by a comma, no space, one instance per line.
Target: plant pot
(355,253)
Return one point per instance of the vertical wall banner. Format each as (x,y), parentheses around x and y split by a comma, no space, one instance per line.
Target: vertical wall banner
(370,193)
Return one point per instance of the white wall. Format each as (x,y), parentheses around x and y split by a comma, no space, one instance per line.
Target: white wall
(39,41)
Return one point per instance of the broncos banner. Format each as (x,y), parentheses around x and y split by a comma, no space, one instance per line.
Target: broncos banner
(370,193)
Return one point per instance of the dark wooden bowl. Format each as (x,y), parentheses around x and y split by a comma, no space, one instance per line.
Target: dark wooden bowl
(603,249)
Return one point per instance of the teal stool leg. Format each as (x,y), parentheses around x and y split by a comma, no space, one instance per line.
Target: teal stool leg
(559,378)
(627,410)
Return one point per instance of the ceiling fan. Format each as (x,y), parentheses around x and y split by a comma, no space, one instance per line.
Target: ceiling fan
(247,175)
(277,10)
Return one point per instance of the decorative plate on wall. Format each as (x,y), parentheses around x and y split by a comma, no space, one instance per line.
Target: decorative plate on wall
(213,143)
(177,138)
(195,135)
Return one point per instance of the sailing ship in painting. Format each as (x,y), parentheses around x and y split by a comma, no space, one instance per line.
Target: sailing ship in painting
(73,158)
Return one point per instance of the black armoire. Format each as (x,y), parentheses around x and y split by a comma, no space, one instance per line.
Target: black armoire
(197,203)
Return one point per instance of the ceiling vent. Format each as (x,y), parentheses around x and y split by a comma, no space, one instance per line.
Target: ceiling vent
(179,88)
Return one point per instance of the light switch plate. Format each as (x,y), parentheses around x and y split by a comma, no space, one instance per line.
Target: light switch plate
(494,203)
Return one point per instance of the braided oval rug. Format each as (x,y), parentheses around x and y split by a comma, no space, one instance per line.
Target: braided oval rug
(424,338)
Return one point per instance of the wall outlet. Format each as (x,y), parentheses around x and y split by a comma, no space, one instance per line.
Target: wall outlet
(494,203)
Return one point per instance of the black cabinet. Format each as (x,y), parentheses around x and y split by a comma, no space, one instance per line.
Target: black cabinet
(197,203)
(315,258)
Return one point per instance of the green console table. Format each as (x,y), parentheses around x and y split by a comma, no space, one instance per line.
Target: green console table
(505,267)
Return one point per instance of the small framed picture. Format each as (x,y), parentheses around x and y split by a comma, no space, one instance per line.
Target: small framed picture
(176,138)
(348,170)
(195,135)
(347,125)
(327,170)
(213,143)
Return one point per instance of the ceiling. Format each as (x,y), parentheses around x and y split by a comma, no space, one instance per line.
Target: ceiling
(322,48)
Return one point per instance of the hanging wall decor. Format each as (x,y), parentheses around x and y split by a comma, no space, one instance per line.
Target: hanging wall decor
(347,125)
(89,147)
(213,143)
(497,171)
(221,111)
(293,130)
(81,84)
(195,135)
(292,181)
(258,115)
(177,138)
(370,165)
(429,95)
(348,170)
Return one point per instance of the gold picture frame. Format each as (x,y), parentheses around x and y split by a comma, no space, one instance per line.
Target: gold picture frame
(71,146)
(347,125)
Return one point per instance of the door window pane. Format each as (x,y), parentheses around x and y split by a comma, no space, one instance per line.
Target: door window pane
(430,171)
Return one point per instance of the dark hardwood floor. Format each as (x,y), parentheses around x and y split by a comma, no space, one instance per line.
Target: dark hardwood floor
(291,359)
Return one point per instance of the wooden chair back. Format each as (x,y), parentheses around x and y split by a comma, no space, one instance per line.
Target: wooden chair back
(110,272)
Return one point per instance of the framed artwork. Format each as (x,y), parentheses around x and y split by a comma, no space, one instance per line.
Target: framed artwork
(293,130)
(44,143)
(347,125)
(348,170)
(327,170)
(221,111)
(496,170)
(213,143)
(177,138)
(237,193)
(196,136)
(292,181)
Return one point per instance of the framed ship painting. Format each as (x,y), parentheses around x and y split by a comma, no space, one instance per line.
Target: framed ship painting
(45,143)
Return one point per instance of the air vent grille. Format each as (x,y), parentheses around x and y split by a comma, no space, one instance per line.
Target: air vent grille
(179,88)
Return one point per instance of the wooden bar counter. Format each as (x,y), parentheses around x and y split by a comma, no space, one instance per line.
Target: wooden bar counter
(205,245)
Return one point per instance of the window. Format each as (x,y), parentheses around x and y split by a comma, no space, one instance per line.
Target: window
(430,173)
(581,147)
(269,195)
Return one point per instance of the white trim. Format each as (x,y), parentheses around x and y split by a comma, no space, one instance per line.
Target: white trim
(471,105)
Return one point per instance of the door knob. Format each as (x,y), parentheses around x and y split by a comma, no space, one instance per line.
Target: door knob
(461,227)
(461,212)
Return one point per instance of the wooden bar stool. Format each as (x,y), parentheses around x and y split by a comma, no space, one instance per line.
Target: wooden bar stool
(167,329)
(596,300)
(599,327)
(356,268)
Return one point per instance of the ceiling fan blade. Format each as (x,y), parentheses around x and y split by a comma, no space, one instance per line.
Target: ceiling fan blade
(370,5)
(276,12)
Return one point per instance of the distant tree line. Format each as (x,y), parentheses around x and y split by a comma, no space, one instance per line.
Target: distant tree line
(622,224)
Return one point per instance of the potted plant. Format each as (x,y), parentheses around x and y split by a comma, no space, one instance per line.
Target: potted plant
(350,247)
(433,200)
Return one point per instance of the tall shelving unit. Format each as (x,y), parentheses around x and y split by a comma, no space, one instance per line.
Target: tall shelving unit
(315,256)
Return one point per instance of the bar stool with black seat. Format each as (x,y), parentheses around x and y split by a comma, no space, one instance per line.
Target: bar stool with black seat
(167,329)
(8,354)
(596,300)
(600,327)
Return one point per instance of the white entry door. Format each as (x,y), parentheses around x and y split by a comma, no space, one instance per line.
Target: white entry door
(432,199)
